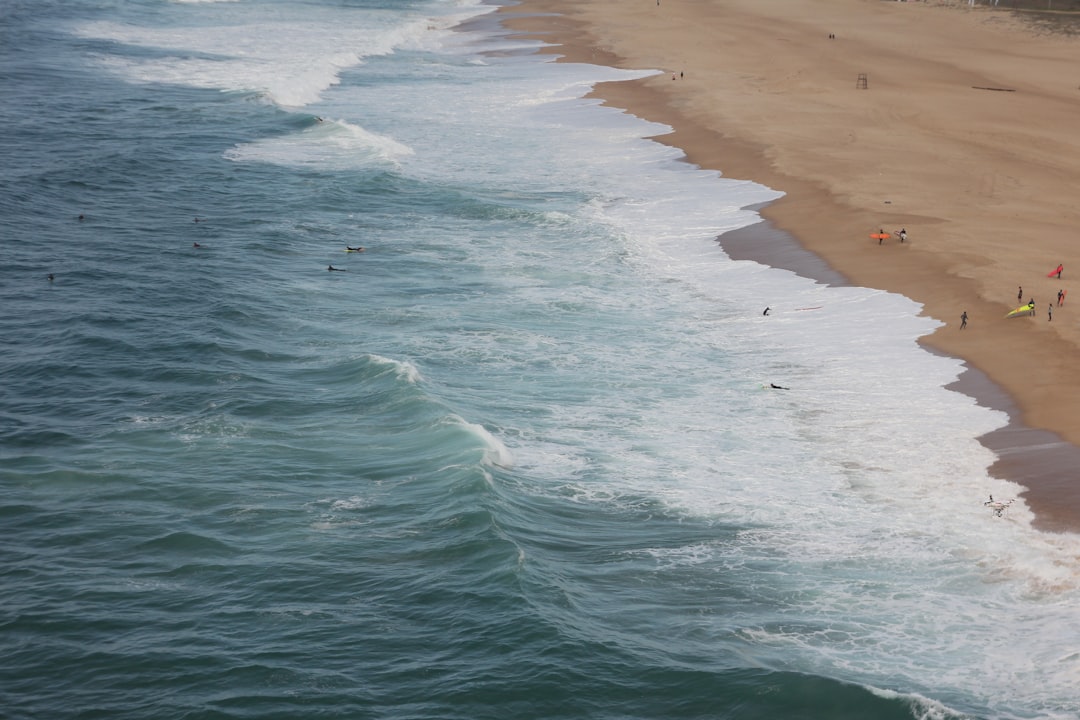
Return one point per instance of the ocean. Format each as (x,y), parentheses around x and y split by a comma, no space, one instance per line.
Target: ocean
(520,458)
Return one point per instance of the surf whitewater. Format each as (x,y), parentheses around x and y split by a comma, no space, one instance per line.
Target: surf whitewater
(516,459)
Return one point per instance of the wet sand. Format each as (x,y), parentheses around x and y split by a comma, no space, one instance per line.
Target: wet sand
(964,134)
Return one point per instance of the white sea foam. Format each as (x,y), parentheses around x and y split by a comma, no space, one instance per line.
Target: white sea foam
(292,59)
(330,144)
(495,452)
(858,492)
(922,708)
(353,503)
(860,488)
(402,369)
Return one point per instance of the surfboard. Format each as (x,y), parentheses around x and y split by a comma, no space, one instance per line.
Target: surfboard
(886,236)
(351,250)
(1019,312)
(1055,271)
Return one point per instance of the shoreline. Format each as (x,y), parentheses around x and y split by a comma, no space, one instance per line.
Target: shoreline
(1037,448)
(1038,460)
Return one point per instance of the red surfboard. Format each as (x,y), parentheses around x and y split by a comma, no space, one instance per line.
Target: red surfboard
(1052,273)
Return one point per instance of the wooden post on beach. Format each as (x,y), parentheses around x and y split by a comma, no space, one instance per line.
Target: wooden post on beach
(860,83)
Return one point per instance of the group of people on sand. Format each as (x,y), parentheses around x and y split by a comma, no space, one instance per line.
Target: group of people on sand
(1031,301)
(881,235)
(901,234)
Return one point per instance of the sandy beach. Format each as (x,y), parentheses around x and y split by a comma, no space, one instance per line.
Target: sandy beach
(957,124)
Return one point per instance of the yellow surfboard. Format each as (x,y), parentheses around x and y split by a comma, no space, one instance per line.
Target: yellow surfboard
(1020,311)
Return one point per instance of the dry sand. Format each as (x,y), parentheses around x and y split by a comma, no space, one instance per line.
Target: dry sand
(967,134)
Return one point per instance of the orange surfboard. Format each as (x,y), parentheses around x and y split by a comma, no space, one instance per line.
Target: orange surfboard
(886,236)
(1052,273)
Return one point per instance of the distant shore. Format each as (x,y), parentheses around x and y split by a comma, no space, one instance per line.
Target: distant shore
(955,124)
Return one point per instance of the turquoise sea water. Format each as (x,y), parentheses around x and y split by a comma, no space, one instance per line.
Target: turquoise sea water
(515,462)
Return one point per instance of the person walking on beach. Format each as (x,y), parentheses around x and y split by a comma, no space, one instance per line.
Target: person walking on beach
(1031,304)
(1060,267)
(1050,312)
(963,320)
(1061,297)
(903,234)
(1019,293)
(881,235)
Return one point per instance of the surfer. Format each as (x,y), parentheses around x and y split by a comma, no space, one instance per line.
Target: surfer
(881,235)
(196,245)
(774,386)
(81,218)
(963,320)
(1019,293)
(1061,297)
(50,276)
(903,234)
(766,311)
(1050,312)
(331,268)
(1060,267)
(354,249)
